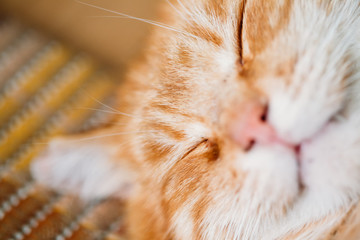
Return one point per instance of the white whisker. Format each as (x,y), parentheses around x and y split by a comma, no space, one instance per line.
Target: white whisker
(113,109)
(111,135)
(178,11)
(99,110)
(186,10)
(101,16)
(103,136)
(162,25)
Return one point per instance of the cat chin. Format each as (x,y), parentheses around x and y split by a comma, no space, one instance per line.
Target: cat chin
(273,169)
(329,169)
(270,187)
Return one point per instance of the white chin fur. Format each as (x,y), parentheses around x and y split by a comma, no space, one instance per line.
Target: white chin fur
(274,169)
(331,162)
(329,167)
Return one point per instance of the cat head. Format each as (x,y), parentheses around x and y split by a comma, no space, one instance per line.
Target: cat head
(252,114)
(241,123)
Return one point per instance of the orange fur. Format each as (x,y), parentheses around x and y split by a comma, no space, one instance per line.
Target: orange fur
(182,97)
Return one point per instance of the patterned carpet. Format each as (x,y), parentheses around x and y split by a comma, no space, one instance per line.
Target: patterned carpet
(47,89)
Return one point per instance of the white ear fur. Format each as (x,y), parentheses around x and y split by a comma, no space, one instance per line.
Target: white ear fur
(84,168)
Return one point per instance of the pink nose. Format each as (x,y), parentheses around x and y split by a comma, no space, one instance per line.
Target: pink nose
(250,126)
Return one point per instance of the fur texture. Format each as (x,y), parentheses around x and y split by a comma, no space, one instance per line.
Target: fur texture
(180,108)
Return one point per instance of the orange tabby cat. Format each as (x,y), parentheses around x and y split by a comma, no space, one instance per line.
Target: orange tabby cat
(241,122)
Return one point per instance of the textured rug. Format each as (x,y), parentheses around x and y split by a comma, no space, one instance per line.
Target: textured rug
(46,89)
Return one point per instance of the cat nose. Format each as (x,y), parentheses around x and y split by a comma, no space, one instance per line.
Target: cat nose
(250,127)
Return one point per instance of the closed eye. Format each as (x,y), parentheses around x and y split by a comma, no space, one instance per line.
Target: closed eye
(211,150)
(204,140)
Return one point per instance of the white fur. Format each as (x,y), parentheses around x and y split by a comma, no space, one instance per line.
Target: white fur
(271,181)
(81,168)
(183,223)
(330,158)
(321,43)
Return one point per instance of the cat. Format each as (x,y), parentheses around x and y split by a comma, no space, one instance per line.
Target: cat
(242,121)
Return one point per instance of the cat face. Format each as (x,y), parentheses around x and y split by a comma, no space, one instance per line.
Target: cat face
(241,123)
(252,118)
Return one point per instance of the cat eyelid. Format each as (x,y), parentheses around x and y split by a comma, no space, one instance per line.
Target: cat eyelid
(195,146)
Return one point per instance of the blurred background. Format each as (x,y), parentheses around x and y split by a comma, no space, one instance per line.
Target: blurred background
(60,61)
(115,41)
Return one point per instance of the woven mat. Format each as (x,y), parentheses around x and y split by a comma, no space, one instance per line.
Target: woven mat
(47,89)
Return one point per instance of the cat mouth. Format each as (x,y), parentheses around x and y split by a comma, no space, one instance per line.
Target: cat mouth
(297,151)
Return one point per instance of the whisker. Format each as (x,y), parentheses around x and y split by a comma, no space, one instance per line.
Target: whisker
(108,122)
(189,13)
(177,10)
(118,124)
(111,112)
(159,25)
(99,110)
(153,23)
(162,25)
(183,6)
(101,16)
(113,109)
(111,135)
(103,104)
(103,136)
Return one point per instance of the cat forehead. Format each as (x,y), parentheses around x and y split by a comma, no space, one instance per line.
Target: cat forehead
(282,30)
(258,22)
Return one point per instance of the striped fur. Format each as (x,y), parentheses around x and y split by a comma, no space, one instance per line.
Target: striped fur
(191,180)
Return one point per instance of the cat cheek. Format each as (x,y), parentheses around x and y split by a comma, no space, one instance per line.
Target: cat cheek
(331,162)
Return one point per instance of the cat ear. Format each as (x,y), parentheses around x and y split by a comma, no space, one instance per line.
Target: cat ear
(86,165)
